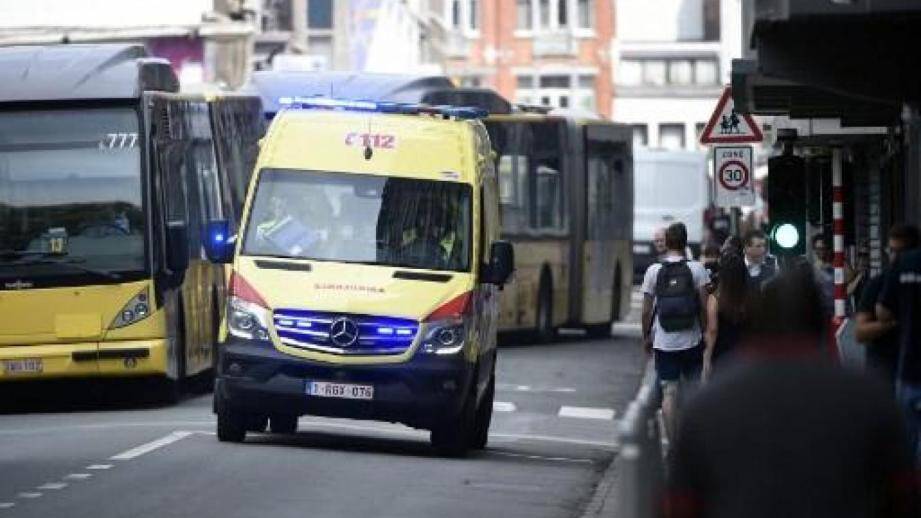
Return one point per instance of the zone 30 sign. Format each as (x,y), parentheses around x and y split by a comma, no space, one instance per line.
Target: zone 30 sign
(733,176)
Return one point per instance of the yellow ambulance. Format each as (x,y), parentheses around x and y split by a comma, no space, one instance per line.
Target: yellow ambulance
(365,274)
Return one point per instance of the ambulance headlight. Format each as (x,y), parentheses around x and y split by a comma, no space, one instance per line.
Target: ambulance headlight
(247,320)
(444,337)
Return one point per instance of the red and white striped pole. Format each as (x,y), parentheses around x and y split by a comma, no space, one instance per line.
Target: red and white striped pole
(837,207)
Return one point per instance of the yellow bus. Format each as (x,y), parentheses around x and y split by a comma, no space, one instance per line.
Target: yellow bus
(366,274)
(107,176)
(566,194)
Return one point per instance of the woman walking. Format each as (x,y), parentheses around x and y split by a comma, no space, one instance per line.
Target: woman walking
(725,310)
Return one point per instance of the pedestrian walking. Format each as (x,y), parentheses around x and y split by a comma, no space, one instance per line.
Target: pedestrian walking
(882,338)
(674,299)
(710,258)
(761,266)
(733,244)
(900,304)
(784,432)
(726,309)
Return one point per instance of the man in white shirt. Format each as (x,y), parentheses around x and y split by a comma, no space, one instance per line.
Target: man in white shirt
(674,313)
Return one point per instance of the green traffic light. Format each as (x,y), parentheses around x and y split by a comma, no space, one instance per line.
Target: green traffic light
(786,235)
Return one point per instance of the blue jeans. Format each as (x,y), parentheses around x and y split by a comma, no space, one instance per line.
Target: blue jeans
(909,396)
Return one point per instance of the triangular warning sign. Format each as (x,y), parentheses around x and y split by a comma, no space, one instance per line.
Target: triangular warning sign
(728,126)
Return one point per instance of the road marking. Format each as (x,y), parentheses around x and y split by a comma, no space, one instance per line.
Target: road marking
(30,496)
(502,406)
(586,412)
(528,388)
(549,438)
(541,457)
(144,449)
(78,476)
(99,467)
(7,505)
(53,485)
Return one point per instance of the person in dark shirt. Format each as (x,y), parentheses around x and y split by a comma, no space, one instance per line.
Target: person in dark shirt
(762,267)
(900,301)
(784,432)
(882,338)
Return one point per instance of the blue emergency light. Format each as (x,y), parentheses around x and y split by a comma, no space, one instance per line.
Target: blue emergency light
(455,112)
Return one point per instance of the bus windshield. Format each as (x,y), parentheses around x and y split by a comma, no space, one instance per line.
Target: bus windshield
(356,218)
(70,193)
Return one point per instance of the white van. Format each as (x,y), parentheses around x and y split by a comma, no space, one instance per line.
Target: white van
(669,186)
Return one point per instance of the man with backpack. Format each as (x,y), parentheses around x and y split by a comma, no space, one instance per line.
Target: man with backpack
(674,313)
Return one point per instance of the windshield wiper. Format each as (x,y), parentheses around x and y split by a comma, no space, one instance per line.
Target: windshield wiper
(73,262)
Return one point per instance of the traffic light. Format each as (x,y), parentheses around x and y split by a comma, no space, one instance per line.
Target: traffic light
(787,205)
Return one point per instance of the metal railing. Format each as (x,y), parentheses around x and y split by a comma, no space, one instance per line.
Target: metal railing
(640,466)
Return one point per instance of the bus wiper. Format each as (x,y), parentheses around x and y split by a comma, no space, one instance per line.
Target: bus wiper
(73,262)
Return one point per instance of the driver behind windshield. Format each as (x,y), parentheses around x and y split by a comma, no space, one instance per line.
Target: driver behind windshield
(431,239)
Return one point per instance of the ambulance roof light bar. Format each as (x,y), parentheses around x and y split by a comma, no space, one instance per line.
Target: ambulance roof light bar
(457,112)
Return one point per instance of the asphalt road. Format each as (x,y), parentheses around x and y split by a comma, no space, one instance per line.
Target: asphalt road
(92,451)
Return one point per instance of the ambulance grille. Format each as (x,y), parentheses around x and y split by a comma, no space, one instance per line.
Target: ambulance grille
(343,333)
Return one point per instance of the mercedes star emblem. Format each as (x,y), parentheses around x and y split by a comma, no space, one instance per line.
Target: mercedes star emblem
(343,332)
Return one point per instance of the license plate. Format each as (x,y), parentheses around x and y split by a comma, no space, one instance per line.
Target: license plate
(641,249)
(339,390)
(24,366)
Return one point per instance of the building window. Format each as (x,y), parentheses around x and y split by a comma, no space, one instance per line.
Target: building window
(711,20)
(463,15)
(320,14)
(585,11)
(671,136)
(525,14)
(654,73)
(630,72)
(474,15)
(562,16)
(680,72)
(555,81)
(276,15)
(557,90)
(455,13)
(661,72)
(640,135)
(543,13)
(706,72)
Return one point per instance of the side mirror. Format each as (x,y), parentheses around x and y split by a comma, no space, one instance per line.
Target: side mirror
(177,246)
(218,241)
(501,263)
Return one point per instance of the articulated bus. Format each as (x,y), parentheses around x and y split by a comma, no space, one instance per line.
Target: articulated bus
(566,193)
(107,177)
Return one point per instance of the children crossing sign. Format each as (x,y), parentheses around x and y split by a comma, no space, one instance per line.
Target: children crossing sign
(733,176)
(727,126)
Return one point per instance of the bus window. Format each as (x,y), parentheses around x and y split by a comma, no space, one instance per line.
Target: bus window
(549,213)
(513,191)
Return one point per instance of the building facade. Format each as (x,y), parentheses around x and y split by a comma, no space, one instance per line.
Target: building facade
(207,41)
(553,53)
(672,59)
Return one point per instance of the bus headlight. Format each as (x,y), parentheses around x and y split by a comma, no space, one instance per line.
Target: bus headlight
(247,320)
(443,337)
(137,309)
